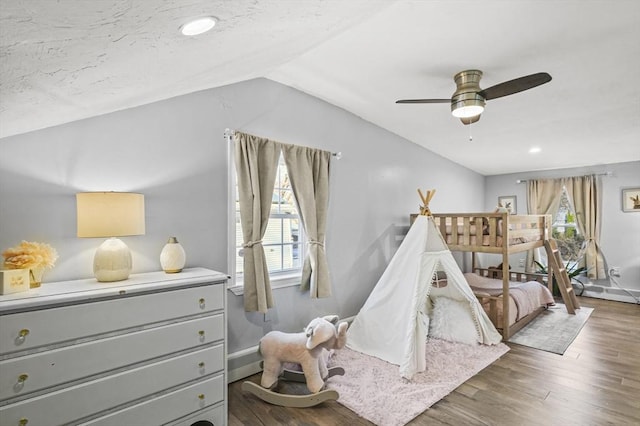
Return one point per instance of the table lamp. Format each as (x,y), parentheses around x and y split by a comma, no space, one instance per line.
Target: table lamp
(110,214)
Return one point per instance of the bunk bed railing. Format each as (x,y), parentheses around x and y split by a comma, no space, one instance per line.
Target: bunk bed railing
(514,276)
(488,232)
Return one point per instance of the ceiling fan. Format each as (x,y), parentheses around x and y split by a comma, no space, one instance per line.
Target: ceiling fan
(467,102)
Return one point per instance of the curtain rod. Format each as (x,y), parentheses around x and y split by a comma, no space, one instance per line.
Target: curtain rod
(595,174)
(228,133)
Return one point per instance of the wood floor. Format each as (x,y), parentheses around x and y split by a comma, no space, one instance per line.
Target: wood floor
(596,382)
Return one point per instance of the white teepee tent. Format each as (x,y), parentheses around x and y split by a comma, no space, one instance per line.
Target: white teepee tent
(393,324)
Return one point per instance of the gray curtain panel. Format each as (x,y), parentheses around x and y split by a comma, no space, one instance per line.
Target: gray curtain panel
(309,173)
(256,166)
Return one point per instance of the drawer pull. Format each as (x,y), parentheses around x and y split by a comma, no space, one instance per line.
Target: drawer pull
(201,396)
(22,378)
(23,421)
(201,302)
(201,365)
(201,333)
(22,335)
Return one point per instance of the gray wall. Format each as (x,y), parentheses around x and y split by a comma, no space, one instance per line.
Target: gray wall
(620,230)
(175,154)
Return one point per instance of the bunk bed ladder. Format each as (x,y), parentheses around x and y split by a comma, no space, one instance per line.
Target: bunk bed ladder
(557,268)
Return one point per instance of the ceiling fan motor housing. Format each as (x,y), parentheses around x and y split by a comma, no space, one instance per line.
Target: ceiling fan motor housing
(466,101)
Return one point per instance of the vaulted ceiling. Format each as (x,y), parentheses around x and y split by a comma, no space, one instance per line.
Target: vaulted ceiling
(66,60)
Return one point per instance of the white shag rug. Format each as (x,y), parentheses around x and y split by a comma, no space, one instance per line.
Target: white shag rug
(373,388)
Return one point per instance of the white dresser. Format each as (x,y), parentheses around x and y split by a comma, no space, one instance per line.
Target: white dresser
(150,350)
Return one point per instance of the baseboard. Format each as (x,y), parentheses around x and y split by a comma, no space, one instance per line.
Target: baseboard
(243,364)
(246,362)
(611,293)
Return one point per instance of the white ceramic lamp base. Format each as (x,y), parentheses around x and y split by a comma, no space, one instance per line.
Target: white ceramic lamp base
(112,261)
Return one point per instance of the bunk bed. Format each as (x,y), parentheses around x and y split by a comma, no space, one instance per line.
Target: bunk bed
(502,234)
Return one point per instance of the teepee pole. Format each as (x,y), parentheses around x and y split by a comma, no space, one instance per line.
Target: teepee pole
(426,199)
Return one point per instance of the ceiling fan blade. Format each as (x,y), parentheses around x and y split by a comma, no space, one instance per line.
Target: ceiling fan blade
(514,86)
(423,101)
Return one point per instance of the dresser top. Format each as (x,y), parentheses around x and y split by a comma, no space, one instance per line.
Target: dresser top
(77,291)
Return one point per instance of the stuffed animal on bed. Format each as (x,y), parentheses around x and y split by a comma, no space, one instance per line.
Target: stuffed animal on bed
(305,348)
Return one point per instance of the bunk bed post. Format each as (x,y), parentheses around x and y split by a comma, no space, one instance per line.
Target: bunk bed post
(504,224)
(547,235)
(505,293)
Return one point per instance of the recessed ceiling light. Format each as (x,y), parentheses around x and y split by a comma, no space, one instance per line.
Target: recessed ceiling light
(534,150)
(198,26)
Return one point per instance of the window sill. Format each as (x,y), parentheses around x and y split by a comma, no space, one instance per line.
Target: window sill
(281,281)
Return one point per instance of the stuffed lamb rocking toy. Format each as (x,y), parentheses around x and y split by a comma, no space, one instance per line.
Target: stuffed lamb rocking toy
(310,350)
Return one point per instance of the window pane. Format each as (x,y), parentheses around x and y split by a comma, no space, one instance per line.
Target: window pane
(565,231)
(273,255)
(273,235)
(239,252)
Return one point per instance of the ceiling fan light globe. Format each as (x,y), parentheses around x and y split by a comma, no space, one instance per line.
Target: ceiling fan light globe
(466,111)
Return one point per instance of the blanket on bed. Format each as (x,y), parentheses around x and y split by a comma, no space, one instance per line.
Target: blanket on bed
(527,296)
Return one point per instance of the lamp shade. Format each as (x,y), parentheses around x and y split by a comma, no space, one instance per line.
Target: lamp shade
(110,214)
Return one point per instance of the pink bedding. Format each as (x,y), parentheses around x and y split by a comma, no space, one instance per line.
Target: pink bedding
(526,297)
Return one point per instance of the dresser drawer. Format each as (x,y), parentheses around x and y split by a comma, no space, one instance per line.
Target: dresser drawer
(164,409)
(19,376)
(27,330)
(82,400)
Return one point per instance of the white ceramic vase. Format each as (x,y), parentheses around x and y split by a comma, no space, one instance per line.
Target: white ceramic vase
(172,256)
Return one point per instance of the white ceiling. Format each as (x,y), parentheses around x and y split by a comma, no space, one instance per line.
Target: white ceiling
(66,60)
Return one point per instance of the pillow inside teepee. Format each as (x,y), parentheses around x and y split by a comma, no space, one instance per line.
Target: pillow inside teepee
(451,320)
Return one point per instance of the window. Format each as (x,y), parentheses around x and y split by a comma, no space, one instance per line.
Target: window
(284,240)
(566,233)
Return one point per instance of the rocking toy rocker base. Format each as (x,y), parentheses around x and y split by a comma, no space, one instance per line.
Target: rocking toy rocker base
(295,401)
